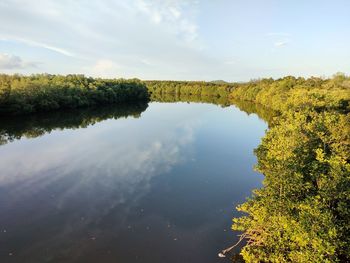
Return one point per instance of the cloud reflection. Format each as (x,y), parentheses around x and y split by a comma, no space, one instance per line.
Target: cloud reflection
(81,177)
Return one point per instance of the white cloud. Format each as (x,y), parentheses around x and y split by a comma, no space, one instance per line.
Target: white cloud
(156,39)
(172,15)
(105,68)
(38,44)
(109,37)
(280,38)
(49,47)
(8,61)
(147,62)
(281,43)
(175,12)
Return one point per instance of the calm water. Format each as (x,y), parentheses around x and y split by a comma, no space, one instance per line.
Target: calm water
(160,185)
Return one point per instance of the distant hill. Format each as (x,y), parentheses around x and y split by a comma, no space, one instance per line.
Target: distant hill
(219,81)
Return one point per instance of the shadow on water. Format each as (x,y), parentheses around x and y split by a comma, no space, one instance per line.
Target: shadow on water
(32,126)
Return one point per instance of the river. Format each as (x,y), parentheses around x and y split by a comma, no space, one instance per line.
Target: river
(155,183)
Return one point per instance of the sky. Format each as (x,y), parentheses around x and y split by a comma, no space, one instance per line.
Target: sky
(232,40)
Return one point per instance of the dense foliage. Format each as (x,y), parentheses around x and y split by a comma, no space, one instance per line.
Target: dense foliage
(199,88)
(27,94)
(302,213)
(297,93)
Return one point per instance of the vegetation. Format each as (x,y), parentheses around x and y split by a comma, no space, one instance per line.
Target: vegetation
(27,94)
(198,88)
(297,93)
(302,213)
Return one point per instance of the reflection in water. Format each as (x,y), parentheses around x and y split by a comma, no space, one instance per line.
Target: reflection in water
(263,112)
(32,126)
(176,97)
(159,188)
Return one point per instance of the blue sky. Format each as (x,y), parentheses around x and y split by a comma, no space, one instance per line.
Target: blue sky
(176,39)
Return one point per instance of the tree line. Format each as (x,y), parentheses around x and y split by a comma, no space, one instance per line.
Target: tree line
(280,94)
(297,93)
(43,92)
(187,88)
(302,212)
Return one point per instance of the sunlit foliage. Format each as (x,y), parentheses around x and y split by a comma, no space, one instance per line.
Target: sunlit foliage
(199,88)
(302,213)
(27,94)
(298,93)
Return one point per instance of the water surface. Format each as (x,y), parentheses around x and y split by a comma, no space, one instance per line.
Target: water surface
(148,185)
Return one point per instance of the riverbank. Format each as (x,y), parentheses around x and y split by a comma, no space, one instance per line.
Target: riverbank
(41,93)
(301,213)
